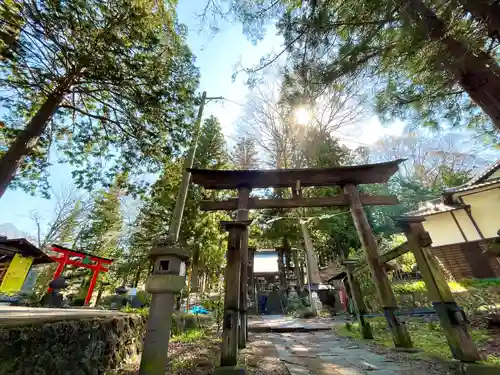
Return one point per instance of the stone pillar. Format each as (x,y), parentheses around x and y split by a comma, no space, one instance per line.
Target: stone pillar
(385,293)
(229,346)
(453,320)
(359,304)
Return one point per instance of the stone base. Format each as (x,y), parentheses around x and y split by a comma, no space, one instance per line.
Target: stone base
(229,370)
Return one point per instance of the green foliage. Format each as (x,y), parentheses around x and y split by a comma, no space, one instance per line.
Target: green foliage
(200,231)
(480,283)
(428,337)
(211,152)
(473,295)
(411,287)
(119,81)
(245,154)
(191,335)
(398,52)
(102,229)
(215,305)
(130,310)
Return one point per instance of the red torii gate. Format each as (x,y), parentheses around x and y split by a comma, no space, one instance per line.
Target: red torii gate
(88,261)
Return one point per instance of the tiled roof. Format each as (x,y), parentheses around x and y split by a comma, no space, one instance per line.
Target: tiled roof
(25,248)
(433,207)
(486,173)
(479,181)
(467,186)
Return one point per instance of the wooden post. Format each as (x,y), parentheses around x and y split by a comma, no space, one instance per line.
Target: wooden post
(385,293)
(242,215)
(359,304)
(229,346)
(453,320)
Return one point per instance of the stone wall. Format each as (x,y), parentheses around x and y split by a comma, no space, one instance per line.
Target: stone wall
(88,346)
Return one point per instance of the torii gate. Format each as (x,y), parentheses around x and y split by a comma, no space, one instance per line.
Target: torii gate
(244,180)
(80,259)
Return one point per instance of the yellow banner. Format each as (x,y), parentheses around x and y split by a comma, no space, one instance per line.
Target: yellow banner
(16,274)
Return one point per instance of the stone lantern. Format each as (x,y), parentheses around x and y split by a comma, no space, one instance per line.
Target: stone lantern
(169,270)
(166,280)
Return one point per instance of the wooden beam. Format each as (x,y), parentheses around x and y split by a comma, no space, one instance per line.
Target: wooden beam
(454,322)
(359,304)
(338,176)
(340,200)
(383,287)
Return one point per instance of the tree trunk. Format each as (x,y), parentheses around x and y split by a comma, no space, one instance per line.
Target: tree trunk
(485,12)
(137,277)
(477,73)
(194,270)
(27,139)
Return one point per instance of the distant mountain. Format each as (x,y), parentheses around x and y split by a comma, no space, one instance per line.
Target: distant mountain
(9,230)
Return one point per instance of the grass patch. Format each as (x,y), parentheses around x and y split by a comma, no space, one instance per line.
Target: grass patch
(180,363)
(190,336)
(427,336)
(130,310)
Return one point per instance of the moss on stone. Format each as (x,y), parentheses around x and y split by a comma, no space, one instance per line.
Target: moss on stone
(86,346)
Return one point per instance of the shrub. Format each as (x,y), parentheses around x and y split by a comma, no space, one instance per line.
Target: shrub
(215,305)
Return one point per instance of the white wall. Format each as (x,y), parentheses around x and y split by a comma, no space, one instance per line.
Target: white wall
(467,226)
(442,229)
(485,208)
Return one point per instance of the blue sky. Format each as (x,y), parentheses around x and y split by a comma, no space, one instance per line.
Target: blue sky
(217,56)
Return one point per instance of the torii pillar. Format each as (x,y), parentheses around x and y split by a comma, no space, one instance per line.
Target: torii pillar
(385,293)
(453,320)
(231,321)
(242,216)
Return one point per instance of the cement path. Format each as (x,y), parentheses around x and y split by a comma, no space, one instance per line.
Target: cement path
(321,352)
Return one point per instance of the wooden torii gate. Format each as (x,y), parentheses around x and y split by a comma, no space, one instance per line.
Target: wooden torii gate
(244,180)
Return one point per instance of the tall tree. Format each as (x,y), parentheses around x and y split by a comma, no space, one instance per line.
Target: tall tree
(245,154)
(211,152)
(486,12)
(109,83)
(199,230)
(426,61)
(104,223)
(204,229)
(431,158)
(10,27)
(65,224)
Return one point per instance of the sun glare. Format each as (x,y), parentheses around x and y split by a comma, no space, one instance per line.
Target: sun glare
(302,116)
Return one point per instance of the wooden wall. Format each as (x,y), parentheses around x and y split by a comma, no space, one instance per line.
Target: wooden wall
(467,260)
